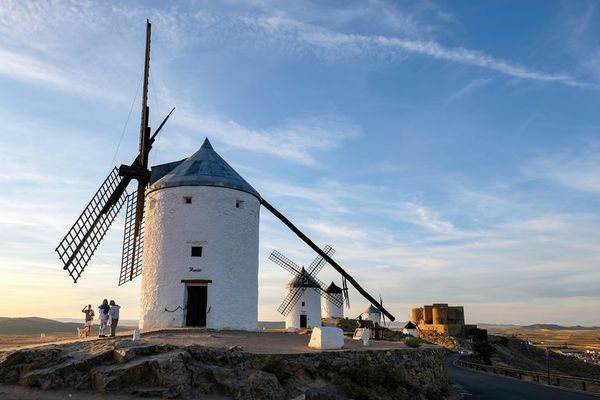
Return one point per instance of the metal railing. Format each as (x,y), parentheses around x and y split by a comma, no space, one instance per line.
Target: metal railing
(565,381)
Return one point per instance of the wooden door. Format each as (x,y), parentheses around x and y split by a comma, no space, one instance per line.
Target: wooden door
(196,306)
(303,321)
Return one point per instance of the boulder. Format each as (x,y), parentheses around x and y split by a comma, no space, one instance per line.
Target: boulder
(326,338)
(260,385)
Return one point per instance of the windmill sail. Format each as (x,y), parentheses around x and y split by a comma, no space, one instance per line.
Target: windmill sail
(81,241)
(327,258)
(345,292)
(317,265)
(290,301)
(303,279)
(131,260)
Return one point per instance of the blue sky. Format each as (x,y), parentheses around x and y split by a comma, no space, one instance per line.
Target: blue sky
(449,151)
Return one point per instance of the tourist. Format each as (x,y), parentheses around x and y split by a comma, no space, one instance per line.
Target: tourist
(114,317)
(360,322)
(377,331)
(89,319)
(103,317)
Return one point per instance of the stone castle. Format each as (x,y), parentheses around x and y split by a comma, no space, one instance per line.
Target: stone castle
(440,318)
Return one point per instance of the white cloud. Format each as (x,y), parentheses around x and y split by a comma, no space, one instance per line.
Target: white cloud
(337,231)
(296,140)
(575,170)
(467,89)
(301,37)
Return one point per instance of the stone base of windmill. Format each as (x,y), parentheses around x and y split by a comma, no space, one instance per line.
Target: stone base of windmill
(326,338)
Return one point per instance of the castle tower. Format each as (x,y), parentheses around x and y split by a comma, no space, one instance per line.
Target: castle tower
(330,309)
(200,259)
(306,312)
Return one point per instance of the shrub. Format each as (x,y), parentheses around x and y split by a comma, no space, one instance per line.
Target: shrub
(484,351)
(413,342)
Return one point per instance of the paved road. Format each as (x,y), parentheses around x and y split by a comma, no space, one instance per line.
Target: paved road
(480,385)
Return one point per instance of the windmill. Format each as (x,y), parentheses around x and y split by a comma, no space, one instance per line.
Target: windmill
(305,290)
(199,236)
(81,241)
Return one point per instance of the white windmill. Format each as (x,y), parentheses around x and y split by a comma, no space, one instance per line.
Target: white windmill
(191,232)
(333,305)
(302,304)
(200,264)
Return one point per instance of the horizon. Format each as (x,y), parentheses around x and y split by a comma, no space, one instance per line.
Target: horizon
(448,151)
(397,321)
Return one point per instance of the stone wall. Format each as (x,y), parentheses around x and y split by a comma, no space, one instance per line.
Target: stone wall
(182,372)
(440,318)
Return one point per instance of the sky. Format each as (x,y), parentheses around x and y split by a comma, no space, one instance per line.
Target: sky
(448,150)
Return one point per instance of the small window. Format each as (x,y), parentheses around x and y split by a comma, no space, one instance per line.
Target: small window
(187,200)
(302,304)
(196,251)
(239,204)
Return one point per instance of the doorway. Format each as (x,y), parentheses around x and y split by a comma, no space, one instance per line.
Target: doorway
(303,321)
(196,306)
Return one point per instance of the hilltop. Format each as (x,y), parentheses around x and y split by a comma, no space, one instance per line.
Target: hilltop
(35,326)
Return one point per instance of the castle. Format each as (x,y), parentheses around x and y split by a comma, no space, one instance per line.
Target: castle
(440,318)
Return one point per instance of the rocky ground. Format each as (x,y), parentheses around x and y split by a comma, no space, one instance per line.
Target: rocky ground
(254,366)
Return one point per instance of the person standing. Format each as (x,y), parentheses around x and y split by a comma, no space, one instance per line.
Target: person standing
(114,317)
(89,320)
(103,317)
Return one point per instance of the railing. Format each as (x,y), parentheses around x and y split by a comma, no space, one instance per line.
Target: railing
(570,382)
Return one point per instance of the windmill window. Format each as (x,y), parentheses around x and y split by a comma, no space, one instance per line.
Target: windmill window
(196,251)
(239,204)
(187,200)
(302,304)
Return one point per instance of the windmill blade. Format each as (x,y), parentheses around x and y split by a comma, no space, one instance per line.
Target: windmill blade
(321,284)
(285,262)
(317,265)
(335,300)
(81,241)
(131,259)
(329,260)
(382,314)
(290,300)
(345,292)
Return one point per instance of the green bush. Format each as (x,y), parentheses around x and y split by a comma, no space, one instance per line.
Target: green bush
(413,342)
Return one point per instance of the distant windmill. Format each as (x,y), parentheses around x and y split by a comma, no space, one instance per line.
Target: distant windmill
(301,306)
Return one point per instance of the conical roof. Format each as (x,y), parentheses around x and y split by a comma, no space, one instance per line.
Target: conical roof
(204,168)
(410,325)
(303,279)
(372,310)
(333,288)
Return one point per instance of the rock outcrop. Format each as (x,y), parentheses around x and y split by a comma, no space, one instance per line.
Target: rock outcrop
(182,372)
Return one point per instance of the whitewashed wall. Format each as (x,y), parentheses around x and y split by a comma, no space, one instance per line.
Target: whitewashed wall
(312,309)
(229,238)
(375,317)
(331,310)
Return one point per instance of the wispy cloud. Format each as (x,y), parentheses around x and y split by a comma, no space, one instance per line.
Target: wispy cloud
(576,170)
(301,37)
(297,140)
(467,89)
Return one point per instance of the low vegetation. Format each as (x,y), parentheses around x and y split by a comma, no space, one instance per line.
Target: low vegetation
(413,342)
